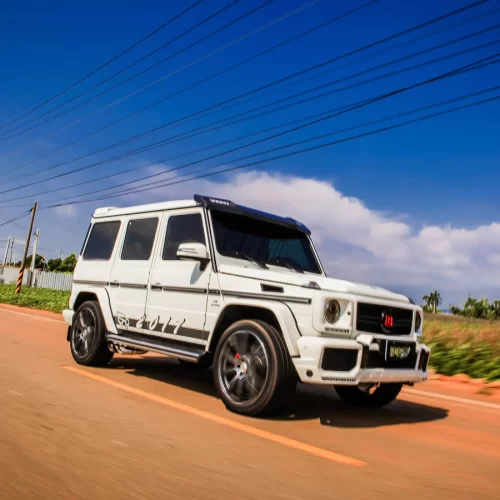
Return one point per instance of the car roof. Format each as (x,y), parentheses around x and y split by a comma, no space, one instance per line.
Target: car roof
(141,209)
(206,201)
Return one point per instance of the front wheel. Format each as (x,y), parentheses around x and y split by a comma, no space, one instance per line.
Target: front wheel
(373,396)
(87,337)
(253,371)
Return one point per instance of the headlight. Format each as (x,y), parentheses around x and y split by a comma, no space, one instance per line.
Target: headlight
(418,321)
(332,311)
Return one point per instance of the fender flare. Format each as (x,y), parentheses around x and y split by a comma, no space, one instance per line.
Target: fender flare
(281,311)
(104,302)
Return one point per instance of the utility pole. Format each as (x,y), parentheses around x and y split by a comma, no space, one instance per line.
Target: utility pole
(33,256)
(26,247)
(11,250)
(6,256)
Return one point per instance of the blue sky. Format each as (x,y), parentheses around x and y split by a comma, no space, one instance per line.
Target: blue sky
(442,172)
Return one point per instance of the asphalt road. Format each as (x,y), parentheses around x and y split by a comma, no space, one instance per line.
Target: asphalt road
(147,427)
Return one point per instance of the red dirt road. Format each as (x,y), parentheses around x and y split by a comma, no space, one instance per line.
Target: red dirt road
(147,427)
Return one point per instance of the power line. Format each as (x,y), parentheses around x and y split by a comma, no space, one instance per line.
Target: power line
(332,114)
(396,35)
(384,51)
(24,214)
(196,61)
(199,82)
(178,37)
(357,84)
(158,80)
(253,91)
(107,63)
(287,155)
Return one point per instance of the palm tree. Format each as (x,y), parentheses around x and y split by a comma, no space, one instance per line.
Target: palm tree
(432,301)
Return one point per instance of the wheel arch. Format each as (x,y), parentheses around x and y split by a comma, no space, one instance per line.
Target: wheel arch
(277,314)
(99,295)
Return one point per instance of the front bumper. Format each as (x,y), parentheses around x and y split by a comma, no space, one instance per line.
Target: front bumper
(68,316)
(356,361)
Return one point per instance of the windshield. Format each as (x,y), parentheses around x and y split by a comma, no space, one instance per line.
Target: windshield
(251,239)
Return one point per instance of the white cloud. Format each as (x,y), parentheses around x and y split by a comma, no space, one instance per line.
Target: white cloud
(358,243)
(354,241)
(66,211)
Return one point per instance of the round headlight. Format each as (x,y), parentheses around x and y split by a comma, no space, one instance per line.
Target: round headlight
(332,311)
(418,321)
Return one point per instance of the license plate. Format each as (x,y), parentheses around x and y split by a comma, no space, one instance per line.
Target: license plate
(399,352)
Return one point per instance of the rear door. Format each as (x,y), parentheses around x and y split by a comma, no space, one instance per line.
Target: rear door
(179,288)
(131,269)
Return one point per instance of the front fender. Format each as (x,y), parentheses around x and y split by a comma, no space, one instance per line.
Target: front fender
(281,311)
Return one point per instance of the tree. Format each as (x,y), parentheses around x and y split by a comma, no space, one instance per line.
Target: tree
(478,308)
(432,301)
(39,260)
(62,266)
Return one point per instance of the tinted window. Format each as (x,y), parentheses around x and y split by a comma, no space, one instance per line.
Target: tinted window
(101,241)
(139,239)
(182,229)
(240,237)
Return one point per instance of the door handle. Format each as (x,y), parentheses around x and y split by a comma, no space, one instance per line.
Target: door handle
(114,283)
(157,287)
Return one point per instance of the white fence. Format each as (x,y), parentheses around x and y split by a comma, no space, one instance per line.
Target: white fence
(41,279)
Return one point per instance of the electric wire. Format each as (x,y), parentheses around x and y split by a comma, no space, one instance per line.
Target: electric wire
(106,64)
(357,84)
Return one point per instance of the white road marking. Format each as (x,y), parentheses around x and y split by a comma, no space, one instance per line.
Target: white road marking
(33,316)
(455,399)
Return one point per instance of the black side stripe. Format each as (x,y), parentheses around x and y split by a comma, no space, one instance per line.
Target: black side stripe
(162,328)
(89,282)
(184,289)
(133,285)
(261,296)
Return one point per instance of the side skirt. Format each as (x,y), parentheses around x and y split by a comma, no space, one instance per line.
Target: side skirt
(177,349)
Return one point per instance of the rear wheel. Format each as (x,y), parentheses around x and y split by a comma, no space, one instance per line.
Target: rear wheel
(369,396)
(253,371)
(87,336)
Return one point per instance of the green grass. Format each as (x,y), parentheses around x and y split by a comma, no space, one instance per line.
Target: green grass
(36,298)
(463,345)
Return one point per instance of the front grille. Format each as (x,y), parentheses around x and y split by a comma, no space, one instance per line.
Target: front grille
(378,359)
(339,360)
(369,319)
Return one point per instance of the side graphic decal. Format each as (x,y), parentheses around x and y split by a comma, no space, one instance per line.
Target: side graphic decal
(174,328)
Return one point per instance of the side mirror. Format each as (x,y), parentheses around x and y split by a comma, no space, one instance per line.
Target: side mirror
(193,251)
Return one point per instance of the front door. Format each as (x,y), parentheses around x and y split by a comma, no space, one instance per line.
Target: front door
(179,288)
(130,272)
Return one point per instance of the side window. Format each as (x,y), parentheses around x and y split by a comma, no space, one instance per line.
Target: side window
(139,239)
(182,229)
(101,241)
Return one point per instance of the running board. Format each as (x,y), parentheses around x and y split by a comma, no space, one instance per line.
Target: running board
(163,346)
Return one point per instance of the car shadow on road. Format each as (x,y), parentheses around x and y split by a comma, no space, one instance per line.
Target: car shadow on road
(311,403)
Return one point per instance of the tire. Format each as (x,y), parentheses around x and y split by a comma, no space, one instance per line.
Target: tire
(87,336)
(382,395)
(253,372)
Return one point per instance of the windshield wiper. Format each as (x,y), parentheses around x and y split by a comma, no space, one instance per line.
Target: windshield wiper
(284,263)
(246,257)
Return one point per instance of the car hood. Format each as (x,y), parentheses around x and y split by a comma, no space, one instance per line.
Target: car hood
(286,277)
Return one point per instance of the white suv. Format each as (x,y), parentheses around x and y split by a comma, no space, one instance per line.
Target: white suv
(213,283)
